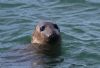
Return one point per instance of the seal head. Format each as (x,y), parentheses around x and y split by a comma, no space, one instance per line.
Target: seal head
(46,33)
(46,38)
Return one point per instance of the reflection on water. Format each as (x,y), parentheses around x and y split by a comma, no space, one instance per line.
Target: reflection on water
(79,21)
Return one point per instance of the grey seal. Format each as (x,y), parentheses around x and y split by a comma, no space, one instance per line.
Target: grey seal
(46,38)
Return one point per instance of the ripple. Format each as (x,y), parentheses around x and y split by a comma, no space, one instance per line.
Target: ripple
(10,5)
(78,21)
(93,1)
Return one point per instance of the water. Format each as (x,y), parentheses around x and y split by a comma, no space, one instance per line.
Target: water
(79,22)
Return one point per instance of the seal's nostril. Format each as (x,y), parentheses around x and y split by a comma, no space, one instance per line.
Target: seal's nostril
(53,37)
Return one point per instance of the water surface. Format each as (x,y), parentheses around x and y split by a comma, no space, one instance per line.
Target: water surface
(79,22)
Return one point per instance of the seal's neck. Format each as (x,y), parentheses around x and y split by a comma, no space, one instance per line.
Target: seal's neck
(51,49)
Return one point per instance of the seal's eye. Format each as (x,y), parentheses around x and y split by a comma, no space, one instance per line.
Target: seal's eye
(42,28)
(55,25)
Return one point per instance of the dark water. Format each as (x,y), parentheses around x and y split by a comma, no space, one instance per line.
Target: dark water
(79,21)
